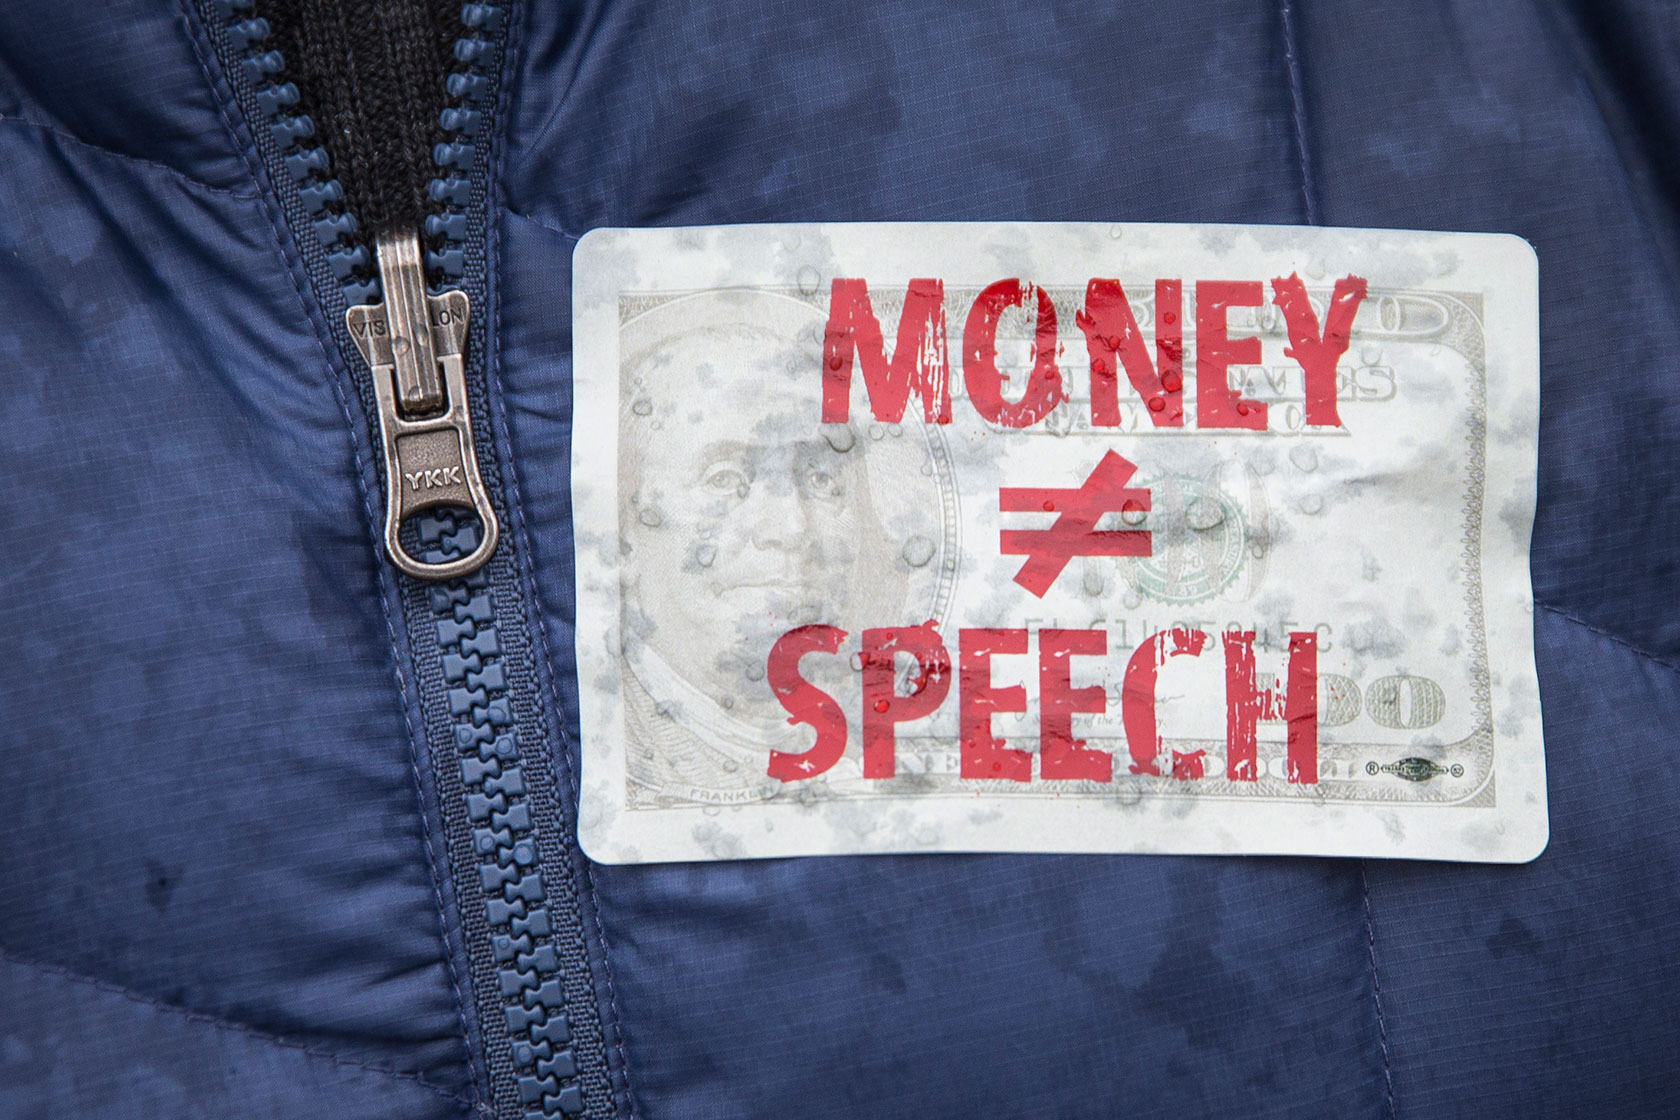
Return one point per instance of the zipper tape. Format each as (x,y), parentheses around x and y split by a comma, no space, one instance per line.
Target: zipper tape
(486,742)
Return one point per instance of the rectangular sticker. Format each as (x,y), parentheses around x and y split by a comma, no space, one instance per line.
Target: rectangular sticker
(1056,538)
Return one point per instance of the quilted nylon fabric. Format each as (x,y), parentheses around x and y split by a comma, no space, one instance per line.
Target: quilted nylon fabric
(1068,986)
(209,804)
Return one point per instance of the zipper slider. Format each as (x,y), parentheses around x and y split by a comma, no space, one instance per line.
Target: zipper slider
(424,426)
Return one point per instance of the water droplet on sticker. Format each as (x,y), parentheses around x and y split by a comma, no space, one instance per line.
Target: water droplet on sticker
(876,431)
(1304,457)
(1114,232)
(1157,404)
(1172,382)
(642,407)
(809,280)
(754,671)
(650,518)
(1093,581)
(1132,600)
(1203,514)
(1311,503)
(839,436)
(1132,512)
(882,705)
(1049,506)
(705,554)
(918,550)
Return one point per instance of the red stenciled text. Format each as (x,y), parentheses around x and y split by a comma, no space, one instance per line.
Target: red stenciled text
(919,367)
(891,696)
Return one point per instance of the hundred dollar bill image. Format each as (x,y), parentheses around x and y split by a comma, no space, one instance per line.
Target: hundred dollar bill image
(1056,537)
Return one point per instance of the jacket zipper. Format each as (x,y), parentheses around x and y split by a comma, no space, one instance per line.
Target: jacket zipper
(424,427)
(408,311)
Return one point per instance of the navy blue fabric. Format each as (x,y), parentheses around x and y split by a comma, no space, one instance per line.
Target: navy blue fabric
(215,892)
(1548,989)
(93,1049)
(122,77)
(1100,987)
(208,801)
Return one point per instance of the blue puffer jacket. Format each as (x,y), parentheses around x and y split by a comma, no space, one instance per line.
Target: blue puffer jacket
(241,873)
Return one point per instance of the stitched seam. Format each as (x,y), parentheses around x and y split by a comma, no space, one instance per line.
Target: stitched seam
(1608,636)
(1309,201)
(1376,989)
(571,775)
(174,173)
(543,225)
(584,42)
(516,514)
(1309,193)
(253,163)
(225,1024)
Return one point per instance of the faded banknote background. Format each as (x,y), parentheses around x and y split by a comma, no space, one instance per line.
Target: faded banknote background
(715,511)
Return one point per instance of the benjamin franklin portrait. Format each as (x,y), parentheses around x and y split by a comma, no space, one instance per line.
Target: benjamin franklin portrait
(742,516)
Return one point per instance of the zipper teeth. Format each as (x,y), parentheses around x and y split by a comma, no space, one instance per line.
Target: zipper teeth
(529,974)
(515,898)
(503,830)
(306,162)
(310,167)
(463,120)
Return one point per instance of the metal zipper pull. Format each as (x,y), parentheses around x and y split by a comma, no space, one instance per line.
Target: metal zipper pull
(423,421)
